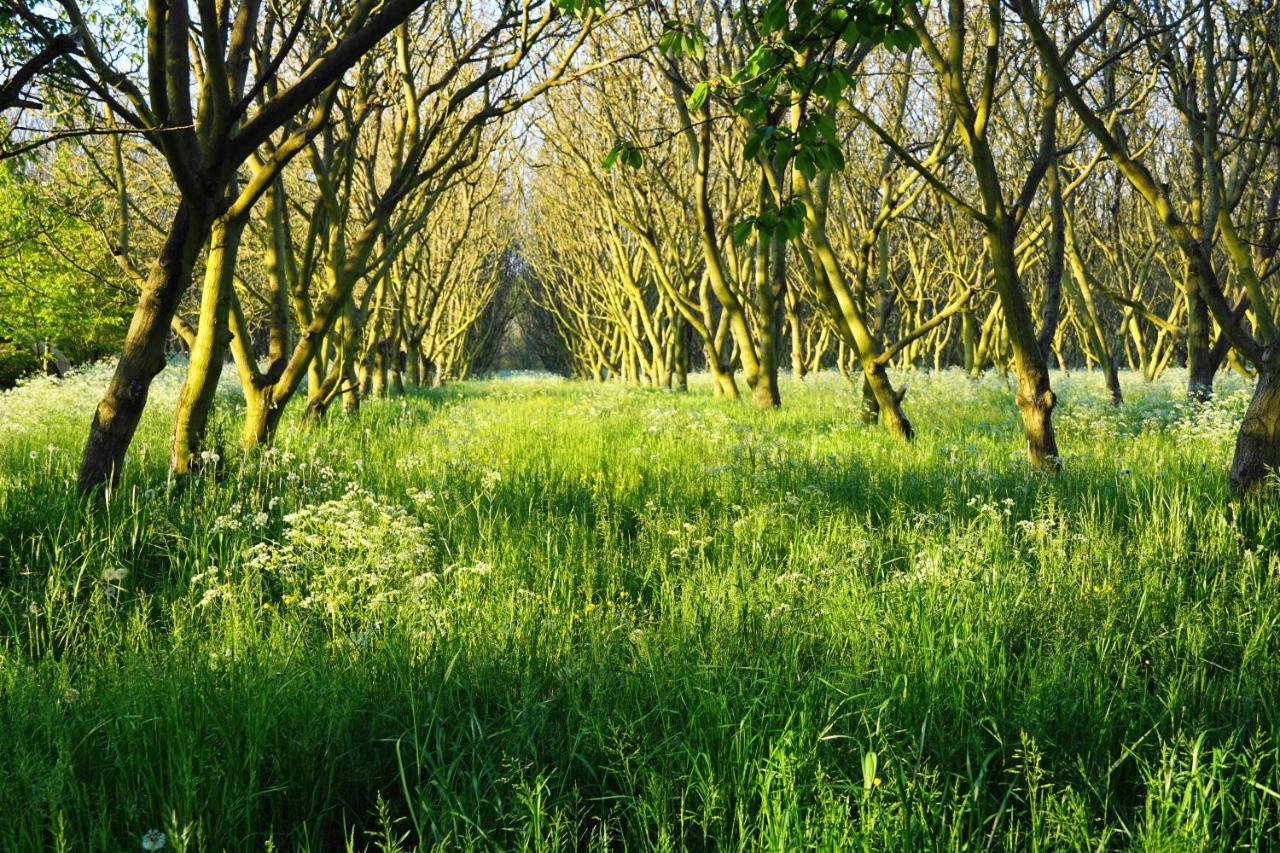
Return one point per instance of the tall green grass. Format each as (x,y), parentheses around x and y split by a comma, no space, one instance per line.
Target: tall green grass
(529,614)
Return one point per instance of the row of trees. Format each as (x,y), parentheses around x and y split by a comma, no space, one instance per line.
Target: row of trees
(864,184)
(1001,184)
(334,173)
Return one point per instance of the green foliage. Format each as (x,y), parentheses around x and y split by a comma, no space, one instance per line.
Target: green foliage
(624,152)
(579,7)
(657,622)
(57,281)
(681,39)
(789,220)
(797,53)
(698,96)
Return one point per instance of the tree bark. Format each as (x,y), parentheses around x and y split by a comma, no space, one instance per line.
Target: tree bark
(1035,399)
(209,350)
(116,419)
(1201,368)
(1257,452)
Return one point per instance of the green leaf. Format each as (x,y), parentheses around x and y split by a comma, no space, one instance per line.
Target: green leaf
(784,147)
(698,96)
(805,165)
(774,17)
(680,39)
(756,141)
(750,106)
(826,126)
(612,156)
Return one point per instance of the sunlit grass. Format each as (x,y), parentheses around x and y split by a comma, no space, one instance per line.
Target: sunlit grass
(530,613)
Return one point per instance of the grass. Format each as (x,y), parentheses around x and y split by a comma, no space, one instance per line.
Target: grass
(529,614)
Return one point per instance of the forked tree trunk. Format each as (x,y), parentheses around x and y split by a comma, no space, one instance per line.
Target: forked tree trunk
(261,418)
(881,403)
(117,415)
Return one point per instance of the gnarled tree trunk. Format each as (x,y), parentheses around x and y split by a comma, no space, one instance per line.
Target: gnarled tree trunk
(118,413)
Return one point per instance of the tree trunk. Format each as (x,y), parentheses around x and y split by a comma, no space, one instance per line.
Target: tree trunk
(1113,380)
(870,408)
(797,340)
(352,392)
(1034,398)
(680,353)
(969,334)
(1258,442)
(1200,365)
(397,372)
(117,415)
(765,391)
(261,418)
(878,392)
(378,375)
(209,351)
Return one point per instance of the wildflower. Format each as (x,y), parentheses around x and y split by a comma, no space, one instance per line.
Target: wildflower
(70,696)
(116,575)
(637,636)
(153,839)
(35,454)
(480,568)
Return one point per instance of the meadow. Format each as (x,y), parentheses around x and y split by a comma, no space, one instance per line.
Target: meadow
(524,613)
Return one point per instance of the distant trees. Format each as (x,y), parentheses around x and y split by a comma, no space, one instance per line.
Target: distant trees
(1213,55)
(846,214)
(59,287)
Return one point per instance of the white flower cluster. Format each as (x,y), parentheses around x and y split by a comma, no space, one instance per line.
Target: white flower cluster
(347,558)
